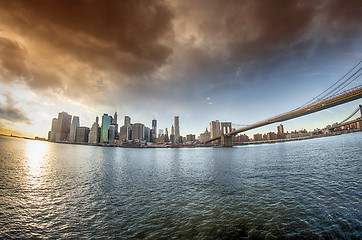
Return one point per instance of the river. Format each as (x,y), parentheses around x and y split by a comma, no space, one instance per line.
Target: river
(303,189)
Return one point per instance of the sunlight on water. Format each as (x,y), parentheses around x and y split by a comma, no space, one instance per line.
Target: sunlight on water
(36,155)
(35,165)
(309,189)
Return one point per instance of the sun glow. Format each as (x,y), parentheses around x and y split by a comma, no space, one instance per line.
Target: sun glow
(36,153)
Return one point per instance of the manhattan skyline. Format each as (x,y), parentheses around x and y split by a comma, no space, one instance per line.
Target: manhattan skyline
(238,61)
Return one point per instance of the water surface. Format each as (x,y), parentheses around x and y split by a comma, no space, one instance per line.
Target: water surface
(304,189)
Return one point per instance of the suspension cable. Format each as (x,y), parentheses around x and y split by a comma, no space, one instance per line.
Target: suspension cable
(333,85)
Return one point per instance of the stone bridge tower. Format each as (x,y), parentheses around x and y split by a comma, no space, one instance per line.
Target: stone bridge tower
(226,140)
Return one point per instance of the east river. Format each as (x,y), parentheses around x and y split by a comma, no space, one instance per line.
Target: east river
(304,189)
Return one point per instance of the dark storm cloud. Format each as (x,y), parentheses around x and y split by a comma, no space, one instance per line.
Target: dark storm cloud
(122,35)
(144,48)
(10,113)
(14,67)
(12,60)
(254,38)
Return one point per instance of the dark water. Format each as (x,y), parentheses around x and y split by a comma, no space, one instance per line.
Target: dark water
(309,189)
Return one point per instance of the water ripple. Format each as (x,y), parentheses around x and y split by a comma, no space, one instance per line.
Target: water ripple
(296,190)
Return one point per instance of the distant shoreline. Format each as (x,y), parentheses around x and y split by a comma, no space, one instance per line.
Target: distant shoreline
(297,139)
(133,145)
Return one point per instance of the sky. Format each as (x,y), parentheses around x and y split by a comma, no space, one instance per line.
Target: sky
(240,61)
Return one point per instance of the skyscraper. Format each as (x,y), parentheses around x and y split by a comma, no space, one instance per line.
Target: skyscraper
(115,124)
(124,133)
(106,122)
(177,130)
(63,127)
(112,133)
(215,129)
(73,129)
(115,118)
(154,128)
(160,132)
(280,129)
(82,135)
(94,134)
(127,121)
(147,134)
(166,135)
(53,130)
(281,134)
(138,131)
(172,136)
(204,136)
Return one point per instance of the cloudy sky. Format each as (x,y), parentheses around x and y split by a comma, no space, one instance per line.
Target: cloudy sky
(240,61)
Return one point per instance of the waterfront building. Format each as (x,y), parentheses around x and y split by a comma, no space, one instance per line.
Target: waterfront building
(94,134)
(177,130)
(73,128)
(271,136)
(82,134)
(138,131)
(112,134)
(53,130)
(280,132)
(298,134)
(190,138)
(106,122)
(160,132)
(215,129)
(161,139)
(147,134)
(280,129)
(359,124)
(241,138)
(258,137)
(63,127)
(124,133)
(205,136)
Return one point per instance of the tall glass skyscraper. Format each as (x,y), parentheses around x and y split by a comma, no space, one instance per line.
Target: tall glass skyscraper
(177,129)
(154,128)
(73,128)
(106,123)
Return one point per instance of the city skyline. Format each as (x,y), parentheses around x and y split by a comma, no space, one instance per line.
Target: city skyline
(240,62)
(66,128)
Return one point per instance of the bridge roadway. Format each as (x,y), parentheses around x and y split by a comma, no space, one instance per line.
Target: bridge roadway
(344,97)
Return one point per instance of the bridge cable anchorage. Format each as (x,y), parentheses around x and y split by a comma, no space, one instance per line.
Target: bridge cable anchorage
(321,94)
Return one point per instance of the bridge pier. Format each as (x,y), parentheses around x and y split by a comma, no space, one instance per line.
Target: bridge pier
(226,140)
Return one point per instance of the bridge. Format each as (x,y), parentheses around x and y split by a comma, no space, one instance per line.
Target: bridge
(346,122)
(331,97)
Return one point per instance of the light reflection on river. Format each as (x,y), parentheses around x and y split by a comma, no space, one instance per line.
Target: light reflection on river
(306,189)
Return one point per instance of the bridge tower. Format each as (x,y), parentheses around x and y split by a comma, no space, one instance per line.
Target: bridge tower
(226,140)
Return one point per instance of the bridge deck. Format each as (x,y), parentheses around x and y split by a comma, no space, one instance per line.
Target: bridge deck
(344,97)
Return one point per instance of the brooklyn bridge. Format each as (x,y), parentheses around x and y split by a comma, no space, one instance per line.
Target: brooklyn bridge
(333,96)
